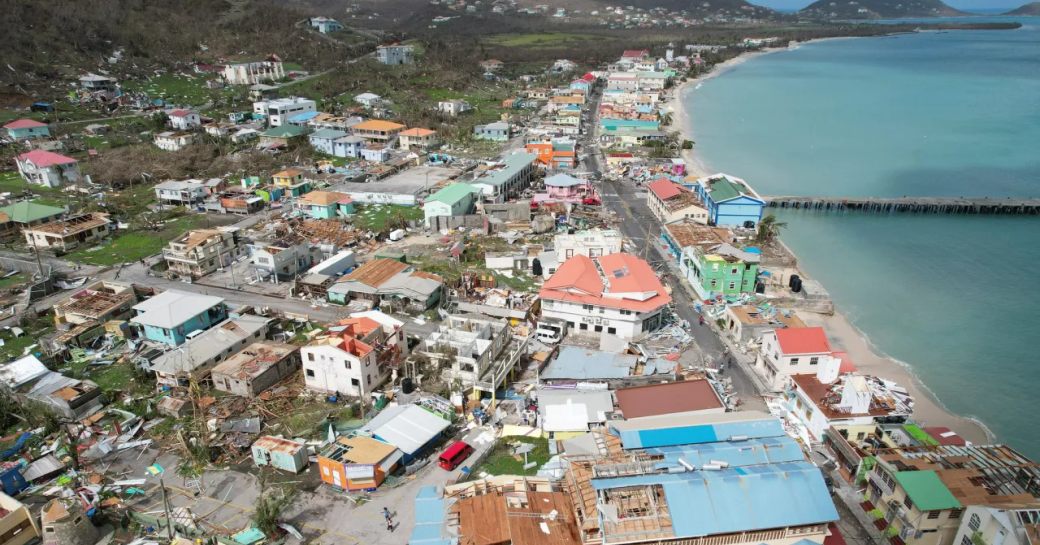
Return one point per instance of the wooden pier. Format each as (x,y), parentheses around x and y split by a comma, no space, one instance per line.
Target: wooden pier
(910,205)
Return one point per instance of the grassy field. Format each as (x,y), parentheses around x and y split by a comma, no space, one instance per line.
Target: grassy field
(13,280)
(502,462)
(542,39)
(375,217)
(134,245)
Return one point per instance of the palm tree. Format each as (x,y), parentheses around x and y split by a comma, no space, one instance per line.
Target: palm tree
(769,228)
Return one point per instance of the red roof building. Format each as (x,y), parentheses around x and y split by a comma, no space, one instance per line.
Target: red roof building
(664,188)
(24,124)
(43,159)
(617,294)
(635,54)
(803,340)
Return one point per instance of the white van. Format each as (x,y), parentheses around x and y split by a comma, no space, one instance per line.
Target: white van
(550,331)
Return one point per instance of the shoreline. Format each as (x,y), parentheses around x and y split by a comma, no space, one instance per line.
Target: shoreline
(843,334)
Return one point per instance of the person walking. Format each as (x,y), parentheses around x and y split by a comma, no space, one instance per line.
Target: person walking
(387,515)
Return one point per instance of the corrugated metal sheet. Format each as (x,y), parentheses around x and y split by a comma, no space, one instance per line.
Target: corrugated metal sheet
(407,427)
(769,450)
(741,499)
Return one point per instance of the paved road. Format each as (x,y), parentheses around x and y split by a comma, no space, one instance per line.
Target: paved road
(639,225)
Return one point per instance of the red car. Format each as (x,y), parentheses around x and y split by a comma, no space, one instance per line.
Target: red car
(454,455)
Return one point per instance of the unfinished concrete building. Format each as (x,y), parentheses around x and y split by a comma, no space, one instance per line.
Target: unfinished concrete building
(98,302)
(477,352)
(202,251)
(68,234)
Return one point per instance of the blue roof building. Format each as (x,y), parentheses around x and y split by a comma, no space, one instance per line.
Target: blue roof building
(431,515)
(730,201)
(735,476)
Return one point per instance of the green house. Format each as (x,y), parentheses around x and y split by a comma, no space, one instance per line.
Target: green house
(720,270)
(454,200)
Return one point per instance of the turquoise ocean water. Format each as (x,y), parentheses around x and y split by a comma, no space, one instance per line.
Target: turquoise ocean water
(946,114)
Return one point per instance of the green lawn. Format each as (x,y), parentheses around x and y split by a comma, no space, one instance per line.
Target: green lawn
(133,245)
(13,280)
(12,182)
(502,462)
(179,89)
(542,39)
(375,217)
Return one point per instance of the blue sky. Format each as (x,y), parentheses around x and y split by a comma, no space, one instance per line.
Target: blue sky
(959,4)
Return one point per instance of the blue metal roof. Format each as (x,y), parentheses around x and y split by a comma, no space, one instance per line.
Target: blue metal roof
(767,450)
(684,431)
(302,117)
(740,499)
(431,511)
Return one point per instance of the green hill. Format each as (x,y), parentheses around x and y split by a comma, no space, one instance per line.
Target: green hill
(878,9)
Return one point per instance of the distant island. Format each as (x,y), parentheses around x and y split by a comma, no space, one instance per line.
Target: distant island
(878,9)
(1032,8)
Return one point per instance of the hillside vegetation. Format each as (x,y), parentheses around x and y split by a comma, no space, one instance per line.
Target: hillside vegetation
(59,39)
(1032,8)
(878,9)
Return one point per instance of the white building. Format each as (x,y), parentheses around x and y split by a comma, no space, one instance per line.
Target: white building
(251,73)
(354,361)
(183,119)
(834,397)
(1010,525)
(325,25)
(47,168)
(453,107)
(279,110)
(792,351)
(368,100)
(589,243)
(173,141)
(180,192)
(394,54)
(617,294)
(623,81)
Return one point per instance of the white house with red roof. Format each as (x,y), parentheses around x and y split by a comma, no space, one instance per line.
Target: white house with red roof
(183,119)
(26,129)
(793,351)
(47,168)
(617,294)
(671,202)
(353,360)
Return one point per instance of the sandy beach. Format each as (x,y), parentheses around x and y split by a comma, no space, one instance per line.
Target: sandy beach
(843,334)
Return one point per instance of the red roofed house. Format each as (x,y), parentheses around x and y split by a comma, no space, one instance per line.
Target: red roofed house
(183,119)
(793,351)
(48,168)
(353,361)
(617,294)
(27,129)
(671,202)
(635,54)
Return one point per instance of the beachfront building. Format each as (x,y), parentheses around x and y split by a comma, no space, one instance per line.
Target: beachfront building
(730,200)
(617,294)
(722,269)
(838,396)
(792,351)
(922,493)
(671,202)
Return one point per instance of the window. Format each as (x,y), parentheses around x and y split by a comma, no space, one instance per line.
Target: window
(599,329)
(965,540)
(368,379)
(612,330)
(732,285)
(794,361)
(814,360)
(346,364)
(956,513)
(626,312)
(974,522)
(310,373)
(934,514)
(586,307)
(908,502)
(583,327)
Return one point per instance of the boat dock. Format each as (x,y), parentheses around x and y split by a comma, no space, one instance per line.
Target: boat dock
(910,205)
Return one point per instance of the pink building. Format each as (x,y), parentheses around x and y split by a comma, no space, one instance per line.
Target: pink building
(565,186)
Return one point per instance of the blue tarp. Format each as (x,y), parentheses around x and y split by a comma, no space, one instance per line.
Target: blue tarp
(678,431)
(17,446)
(431,511)
(741,499)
